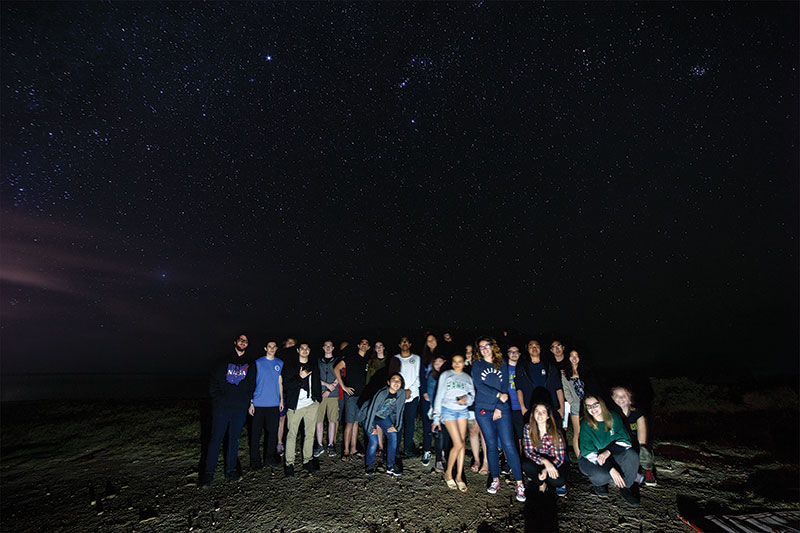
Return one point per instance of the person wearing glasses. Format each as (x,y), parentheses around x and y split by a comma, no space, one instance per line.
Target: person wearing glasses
(493,412)
(606,451)
(476,440)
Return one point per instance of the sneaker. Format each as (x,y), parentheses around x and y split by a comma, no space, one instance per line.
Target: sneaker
(439,466)
(234,476)
(408,454)
(520,490)
(495,486)
(256,465)
(505,468)
(649,478)
(288,470)
(561,491)
(314,464)
(426,458)
(318,450)
(639,479)
(205,481)
(331,450)
(601,490)
(370,471)
(394,470)
(629,497)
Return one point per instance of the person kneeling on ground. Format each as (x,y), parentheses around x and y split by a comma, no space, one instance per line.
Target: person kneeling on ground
(637,425)
(384,411)
(545,450)
(606,452)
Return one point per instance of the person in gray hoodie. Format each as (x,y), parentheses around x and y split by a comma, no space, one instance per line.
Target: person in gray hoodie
(385,411)
(454,395)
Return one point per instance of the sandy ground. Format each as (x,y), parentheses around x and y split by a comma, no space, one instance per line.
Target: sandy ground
(133,467)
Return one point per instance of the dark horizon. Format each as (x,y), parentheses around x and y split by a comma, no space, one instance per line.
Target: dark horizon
(623,177)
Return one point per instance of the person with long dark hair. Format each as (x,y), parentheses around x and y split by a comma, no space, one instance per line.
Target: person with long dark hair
(492,410)
(428,354)
(454,394)
(545,449)
(385,411)
(573,382)
(606,451)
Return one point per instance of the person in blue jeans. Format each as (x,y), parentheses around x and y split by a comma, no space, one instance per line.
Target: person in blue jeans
(231,385)
(384,411)
(492,410)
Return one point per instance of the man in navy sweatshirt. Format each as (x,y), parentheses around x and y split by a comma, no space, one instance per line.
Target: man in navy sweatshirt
(231,385)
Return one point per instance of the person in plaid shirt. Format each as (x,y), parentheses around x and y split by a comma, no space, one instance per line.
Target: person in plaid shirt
(545,450)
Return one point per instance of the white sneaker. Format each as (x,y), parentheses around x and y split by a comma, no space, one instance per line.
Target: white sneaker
(520,492)
(426,458)
(495,486)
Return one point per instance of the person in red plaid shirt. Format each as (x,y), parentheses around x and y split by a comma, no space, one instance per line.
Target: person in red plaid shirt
(545,449)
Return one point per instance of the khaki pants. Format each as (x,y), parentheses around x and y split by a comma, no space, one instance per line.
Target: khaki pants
(307,415)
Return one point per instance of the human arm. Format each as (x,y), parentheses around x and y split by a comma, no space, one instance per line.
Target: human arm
(337,370)
(527,445)
(521,400)
(560,395)
(439,398)
(280,392)
(641,432)
(617,477)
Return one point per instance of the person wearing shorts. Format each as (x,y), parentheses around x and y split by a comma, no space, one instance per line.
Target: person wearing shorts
(355,364)
(329,406)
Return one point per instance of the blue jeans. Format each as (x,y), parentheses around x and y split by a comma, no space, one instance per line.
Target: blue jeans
(499,429)
(222,421)
(391,442)
(427,434)
(409,418)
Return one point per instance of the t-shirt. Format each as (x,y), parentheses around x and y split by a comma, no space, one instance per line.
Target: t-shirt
(356,371)
(267,393)
(304,398)
(387,407)
(632,423)
(512,388)
(538,374)
(410,370)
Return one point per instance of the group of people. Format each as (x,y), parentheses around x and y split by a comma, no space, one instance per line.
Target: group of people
(516,410)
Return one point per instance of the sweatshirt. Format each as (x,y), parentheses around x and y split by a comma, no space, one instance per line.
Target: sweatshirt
(452,385)
(409,368)
(593,441)
(489,382)
(232,382)
(366,413)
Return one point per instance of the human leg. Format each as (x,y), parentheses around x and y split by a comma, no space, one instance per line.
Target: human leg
(427,435)
(628,462)
(293,420)
(576,432)
(372,445)
(489,432)
(309,416)
(598,474)
(256,433)
(219,424)
(409,419)
(237,419)
(505,431)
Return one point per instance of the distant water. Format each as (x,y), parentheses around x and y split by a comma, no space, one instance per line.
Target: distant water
(19,387)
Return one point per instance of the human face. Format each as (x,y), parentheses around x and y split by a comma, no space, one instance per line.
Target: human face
(241,343)
(534,350)
(430,341)
(379,347)
(574,357)
(447,337)
(468,352)
(593,406)
(271,348)
(395,383)
(540,414)
(363,346)
(621,397)
(437,363)
(558,349)
(327,347)
(457,363)
(405,344)
(288,343)
(513,354)
(485,348)
(303,350)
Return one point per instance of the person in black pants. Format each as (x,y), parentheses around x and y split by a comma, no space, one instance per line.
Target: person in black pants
(265,407)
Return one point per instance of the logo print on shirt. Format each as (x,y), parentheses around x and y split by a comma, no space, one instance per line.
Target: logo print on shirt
(236,373)
(277,368)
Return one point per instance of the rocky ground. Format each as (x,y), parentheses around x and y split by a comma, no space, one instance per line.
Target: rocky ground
(133,467)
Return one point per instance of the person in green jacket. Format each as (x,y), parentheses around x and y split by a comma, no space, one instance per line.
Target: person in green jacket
(606,451)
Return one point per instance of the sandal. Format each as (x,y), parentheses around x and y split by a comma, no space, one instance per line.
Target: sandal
(484,471)
(475,467)
(451,484)
(461,486)
(345,457)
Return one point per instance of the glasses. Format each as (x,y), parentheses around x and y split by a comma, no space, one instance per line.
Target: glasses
(484,346)
(553,347)
(513,351)
(592,405)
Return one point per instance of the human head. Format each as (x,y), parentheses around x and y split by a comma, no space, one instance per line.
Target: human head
(327,348)
(379,346)
(240,344)
(558,350)
(437,363)
(404,344)
(395,382)
(513,354)
(622,397)
(271,348)
(489,351)
(447,337)
(289,342)
(363,345)
(469,353)
(430,342)
(457,362)
(534,348)
(542,413)
(594,411)
(303,349)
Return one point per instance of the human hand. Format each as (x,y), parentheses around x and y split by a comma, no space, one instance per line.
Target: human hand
(497,415)
(617,477)
(462,400)
(551,470)
(542,475)
(427,398)
(602,457)
(391,429)
(503,397)
(349,390)
(435,428)
(408,394)
(304,373)
(326,394)
(251,409)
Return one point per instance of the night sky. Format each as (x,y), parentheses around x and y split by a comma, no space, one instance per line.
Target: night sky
(622,176)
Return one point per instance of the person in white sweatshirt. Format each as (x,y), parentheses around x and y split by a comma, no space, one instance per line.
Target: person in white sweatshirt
(454,394)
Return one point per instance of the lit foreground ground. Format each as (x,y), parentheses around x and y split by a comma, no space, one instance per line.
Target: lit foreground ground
(133,467)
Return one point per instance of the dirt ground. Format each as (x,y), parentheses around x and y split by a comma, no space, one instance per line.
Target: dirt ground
(97,466)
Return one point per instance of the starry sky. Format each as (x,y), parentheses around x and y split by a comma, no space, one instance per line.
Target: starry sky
(622,176)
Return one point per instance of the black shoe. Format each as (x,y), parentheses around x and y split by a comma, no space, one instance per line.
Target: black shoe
(408,454)
(370,470)
(288,470)
(205,481)
(234,476)
(629,497)
(394,470)
(601,490)
(318,450)
(315,465)
(505,469)
(308,467)
(273,462)
(256,465)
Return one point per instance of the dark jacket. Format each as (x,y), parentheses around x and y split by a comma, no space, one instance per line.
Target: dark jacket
(292,381)
(232,382)
(366,415)
(524,382)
